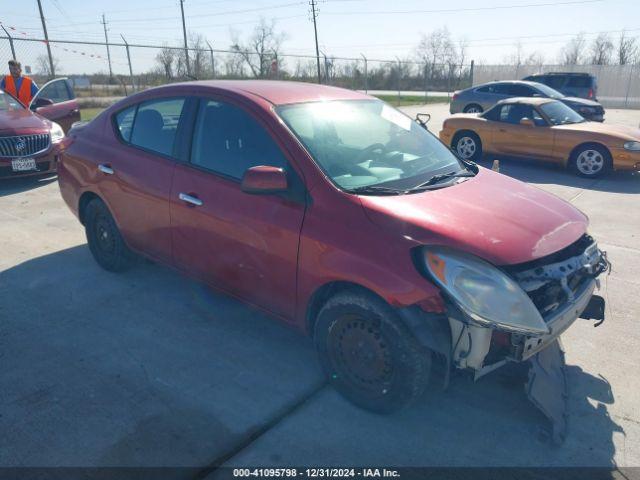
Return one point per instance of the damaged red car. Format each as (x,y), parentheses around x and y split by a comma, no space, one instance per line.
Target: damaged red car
(30,137)
(338,214)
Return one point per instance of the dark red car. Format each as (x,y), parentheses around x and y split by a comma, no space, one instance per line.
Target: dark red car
(341,216)
(30,137)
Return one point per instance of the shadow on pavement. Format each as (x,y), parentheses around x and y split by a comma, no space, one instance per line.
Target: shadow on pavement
(10,186)
(148,368)
(534,171)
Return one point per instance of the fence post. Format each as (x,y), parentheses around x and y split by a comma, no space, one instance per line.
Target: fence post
(366,75)
(213,62)
(133,85)
(471,72)
(13,50)
(426,86)
(626,98)
(326,68)
(398,76)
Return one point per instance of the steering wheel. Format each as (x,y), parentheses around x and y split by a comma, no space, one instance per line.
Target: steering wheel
(364,154)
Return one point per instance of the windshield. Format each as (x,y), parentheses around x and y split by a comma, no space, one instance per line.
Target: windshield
(360,143)
(560,114)
(8,103)
(548,91)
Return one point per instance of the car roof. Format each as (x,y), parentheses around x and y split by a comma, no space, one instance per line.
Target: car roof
(282,92)
(527,100)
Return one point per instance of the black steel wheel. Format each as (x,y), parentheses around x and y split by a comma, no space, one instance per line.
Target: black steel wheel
(368,354)
(104,238)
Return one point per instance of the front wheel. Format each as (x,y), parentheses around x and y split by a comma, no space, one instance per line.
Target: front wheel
(104,238)
(467,145)
(591,161)
(368,354)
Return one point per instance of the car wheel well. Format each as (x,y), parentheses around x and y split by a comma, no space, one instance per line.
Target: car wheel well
(459,133)
(325,292)
(472,104)
(85,199)
(577,148)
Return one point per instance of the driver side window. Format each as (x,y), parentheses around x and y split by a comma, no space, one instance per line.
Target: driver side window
(57,92)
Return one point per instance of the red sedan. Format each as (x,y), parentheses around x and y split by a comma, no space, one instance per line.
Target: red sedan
(341,216)
(30,137)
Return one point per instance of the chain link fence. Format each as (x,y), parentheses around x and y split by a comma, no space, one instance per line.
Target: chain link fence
(618,85)
(104,72)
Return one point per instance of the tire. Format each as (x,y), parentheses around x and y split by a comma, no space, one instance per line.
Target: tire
(104,238)
(368,354)
(468,145)
(590,161)
(473,108)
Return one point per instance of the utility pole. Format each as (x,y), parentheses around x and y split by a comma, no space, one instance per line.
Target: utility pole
(106,40)
(184,33)
(366,74)
(46,38)
(314,14)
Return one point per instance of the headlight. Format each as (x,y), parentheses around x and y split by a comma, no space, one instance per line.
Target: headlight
(633,146)
(487,295)
(57,134)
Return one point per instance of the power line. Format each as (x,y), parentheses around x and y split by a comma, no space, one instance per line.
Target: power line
(459,10)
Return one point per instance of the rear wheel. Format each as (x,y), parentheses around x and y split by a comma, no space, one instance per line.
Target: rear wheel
(368,354)
(468,145)
(104,238)
(473,108)
(591,161)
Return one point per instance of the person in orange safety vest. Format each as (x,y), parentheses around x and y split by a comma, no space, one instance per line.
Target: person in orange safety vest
(22,88)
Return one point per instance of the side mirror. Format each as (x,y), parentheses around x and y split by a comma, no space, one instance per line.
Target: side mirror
(41,102)
(423,119)
(264,180)
(528,122)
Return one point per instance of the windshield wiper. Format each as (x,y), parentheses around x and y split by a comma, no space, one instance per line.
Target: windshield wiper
(443,176)
(377,190)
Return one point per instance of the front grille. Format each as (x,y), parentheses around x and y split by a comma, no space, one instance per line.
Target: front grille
(8,171)
(24,145)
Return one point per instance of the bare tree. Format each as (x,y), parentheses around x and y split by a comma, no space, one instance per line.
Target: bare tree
(166,59)
(601,50)
(573,52)
(261,49)
(43,67)
(627,51)
(439,53)
(517,56)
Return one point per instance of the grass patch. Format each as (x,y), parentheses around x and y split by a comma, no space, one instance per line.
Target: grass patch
(87,114)
(404,100)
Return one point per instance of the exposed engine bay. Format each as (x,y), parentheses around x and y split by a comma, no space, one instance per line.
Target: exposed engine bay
(561,286)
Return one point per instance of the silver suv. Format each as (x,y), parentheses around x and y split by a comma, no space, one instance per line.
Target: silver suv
(482,97)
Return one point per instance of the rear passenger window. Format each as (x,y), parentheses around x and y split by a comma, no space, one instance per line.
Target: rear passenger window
(124,122)
(156,124)
(554,81)
(227,140)
(579,82)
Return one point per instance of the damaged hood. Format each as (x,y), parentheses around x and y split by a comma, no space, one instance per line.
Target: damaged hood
(493,216)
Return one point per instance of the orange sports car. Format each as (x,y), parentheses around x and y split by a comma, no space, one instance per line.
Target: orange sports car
(544,129)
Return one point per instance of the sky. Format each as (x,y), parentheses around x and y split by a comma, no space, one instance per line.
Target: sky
(379,29)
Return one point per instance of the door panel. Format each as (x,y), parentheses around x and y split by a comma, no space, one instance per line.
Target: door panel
(136,173)
(64,110)
(244,244)
(511,138)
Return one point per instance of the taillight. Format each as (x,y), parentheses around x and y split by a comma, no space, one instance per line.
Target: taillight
(455,95)
(590,94)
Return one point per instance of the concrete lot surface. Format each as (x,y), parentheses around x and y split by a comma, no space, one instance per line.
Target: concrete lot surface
(149,368)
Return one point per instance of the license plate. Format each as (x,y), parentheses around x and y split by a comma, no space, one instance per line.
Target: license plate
(23,164)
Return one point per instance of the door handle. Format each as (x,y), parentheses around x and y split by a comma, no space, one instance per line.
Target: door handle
(106,169)
(502,130)
(195,201)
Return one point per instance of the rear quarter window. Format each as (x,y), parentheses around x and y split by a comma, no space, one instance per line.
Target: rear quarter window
(124,122)
(579,82)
